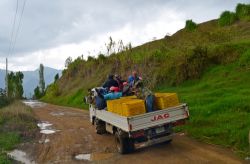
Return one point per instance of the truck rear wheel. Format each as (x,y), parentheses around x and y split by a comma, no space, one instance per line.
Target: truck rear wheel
(124,144)
(100,127)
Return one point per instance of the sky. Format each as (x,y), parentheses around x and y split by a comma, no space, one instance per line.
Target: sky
(51,31)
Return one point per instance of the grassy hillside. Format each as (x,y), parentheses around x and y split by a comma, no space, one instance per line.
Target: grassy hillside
(171,61)
(207,64)
(219,106)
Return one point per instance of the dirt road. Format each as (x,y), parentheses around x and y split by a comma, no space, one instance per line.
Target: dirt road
(75,137)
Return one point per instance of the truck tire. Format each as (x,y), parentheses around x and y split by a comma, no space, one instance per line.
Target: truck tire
(100,127)
(168,141)
(124,145)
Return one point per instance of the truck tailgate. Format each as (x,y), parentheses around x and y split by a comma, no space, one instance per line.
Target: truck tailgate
(146,120)
(159,117)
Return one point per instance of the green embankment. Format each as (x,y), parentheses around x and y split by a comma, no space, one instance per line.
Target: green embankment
(208,66)
(219,106)
(17,124)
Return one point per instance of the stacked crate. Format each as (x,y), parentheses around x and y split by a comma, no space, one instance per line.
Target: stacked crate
(166,100)
(126,106)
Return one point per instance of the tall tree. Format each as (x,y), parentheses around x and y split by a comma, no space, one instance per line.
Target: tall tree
(41,79)
(56,77)
(15,85)
(68,61)
(19,84)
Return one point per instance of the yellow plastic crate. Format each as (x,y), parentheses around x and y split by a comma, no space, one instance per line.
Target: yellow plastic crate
(126,107)
(166,100)
(133,107)
(129,97)
(114,106)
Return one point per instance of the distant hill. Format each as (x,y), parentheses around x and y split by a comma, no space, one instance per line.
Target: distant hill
(31,79)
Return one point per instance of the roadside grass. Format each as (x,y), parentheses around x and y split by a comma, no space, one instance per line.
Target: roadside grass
(72,100)
(17,124)
(219,106)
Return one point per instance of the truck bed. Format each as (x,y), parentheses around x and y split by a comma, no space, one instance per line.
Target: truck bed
(144,121)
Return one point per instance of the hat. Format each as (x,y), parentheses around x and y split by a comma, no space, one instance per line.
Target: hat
(114,89)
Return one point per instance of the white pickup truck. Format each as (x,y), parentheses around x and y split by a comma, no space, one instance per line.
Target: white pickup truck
(140,130)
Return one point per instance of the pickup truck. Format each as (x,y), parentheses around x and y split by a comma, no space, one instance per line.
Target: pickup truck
(141,130)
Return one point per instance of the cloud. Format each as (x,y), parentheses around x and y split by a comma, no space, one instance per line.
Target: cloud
(53,30)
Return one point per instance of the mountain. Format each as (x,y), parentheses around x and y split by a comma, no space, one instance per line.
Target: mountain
(31,79)
(2,78)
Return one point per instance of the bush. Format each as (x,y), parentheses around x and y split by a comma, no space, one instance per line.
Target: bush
(227,18)
(243,11)
(190,25)
(3,101)
(244,60)
(192,65)
(53,90)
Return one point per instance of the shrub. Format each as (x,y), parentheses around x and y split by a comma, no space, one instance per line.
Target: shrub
(244,60)
(3,101)
(190,25)
(192,65)
(227,18)
(90,58)
(53,90)
(243,11)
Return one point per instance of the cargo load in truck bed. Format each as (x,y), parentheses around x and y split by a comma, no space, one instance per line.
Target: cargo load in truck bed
(126,107)
(166,100)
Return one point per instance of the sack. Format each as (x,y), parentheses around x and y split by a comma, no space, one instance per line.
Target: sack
(100,103)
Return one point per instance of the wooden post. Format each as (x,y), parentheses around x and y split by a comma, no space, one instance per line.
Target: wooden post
(6,78)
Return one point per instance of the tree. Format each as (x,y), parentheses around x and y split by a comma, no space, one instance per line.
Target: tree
(19,84)
(56,77)
(68,61)
(37,93)
(110,46)
(41,79)
(190,25)
(15,87)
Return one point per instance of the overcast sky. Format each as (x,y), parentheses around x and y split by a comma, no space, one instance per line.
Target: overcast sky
(52,30)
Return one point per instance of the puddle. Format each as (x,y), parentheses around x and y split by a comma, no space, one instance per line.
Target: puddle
(20,156)
(85,157)
(44,125)
(93,156)
(57,113)
(44,141)
(47,141)
(34,103)
(46,128)
(46,131)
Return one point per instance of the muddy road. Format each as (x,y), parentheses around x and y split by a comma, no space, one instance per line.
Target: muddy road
(69,137)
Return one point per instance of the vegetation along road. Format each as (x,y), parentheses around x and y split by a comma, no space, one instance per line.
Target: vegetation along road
(69,137)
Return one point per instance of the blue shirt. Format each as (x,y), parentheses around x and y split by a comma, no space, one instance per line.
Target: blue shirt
(132,79)
(112,95)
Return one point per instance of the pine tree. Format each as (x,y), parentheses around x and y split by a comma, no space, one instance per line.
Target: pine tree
(41,79)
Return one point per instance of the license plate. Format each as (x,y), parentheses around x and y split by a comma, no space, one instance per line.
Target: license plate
(159,130)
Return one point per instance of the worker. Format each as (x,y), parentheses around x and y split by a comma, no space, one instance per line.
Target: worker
(119,81)
(144,93)
(133,78)
(113,94)
(126,89)
(110,82)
